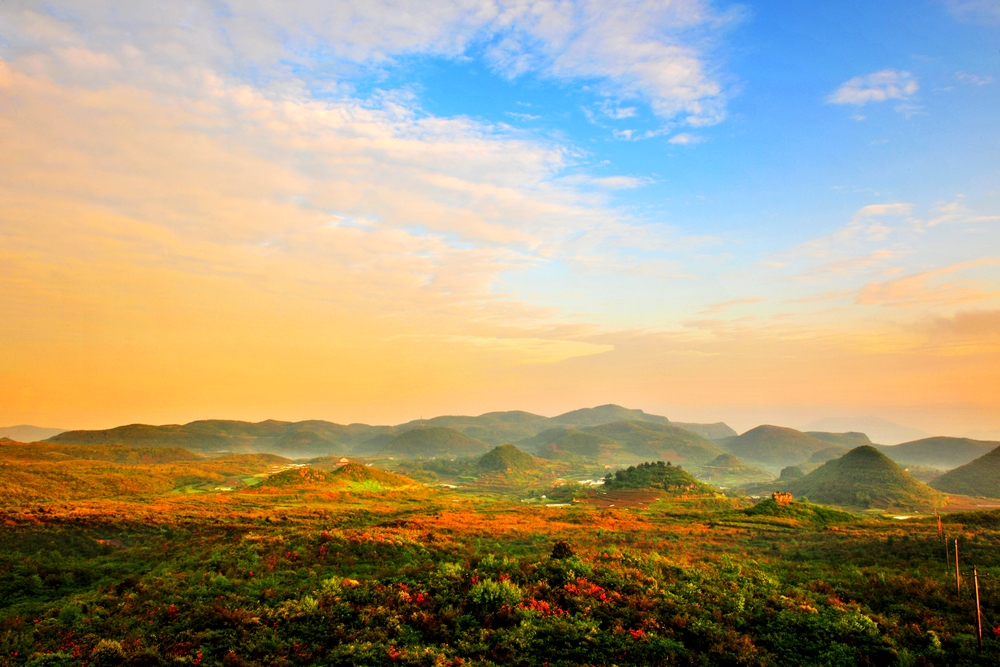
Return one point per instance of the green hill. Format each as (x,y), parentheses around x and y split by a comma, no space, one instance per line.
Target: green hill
(431,442)
(605,414)
(44,451)
(941,452)
(790,474)
(571,444)
(828,454)
(714,432)
(980,477)
(493,428)
(863,477)
(507,457)
(773,447)
(728,471)
(658,441)
(353,474)
(848,440)
(656,475)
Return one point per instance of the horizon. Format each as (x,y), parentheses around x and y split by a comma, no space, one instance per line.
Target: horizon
(717,211)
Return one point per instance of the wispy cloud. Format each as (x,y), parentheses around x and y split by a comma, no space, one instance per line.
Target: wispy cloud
(924,288)
(685,139)
(974,79)
(887,84)
(716,308)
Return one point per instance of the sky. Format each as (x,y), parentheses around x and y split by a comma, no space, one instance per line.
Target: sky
(757,212)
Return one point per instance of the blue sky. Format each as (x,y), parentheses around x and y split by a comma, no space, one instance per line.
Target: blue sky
(692,207)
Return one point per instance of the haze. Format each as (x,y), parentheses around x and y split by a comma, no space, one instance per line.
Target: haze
(757,212)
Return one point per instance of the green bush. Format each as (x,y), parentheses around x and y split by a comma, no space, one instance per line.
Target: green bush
(490,596)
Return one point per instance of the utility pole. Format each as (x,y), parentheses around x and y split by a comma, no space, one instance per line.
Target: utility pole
(958,577)
(979,613)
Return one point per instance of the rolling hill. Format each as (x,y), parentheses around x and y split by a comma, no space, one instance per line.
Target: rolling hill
(728,471)
(941,452)
(773,447)
(714,432)
(507,458)
(849,440)
(433,442)
(980,477)
(617,441)
(312,438)
(863,477)
(43,451)
(28,433)
(351,475)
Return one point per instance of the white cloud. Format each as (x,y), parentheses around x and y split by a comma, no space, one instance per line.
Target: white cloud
(980,11)
(643,50)
(887,84)
(974,79)
(685,139)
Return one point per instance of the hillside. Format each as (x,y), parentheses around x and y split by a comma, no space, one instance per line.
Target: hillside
(571,444)
(864,477)
(849,440)
(980,477)
(433,441)
(728,471)
(656,475)
(43,451)
(493,428)
(605,414)
(773,447)
(714,432)
(658,441)
(940,452)
(28,433)
(507,458)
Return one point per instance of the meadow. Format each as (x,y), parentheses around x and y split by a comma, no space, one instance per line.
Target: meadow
(305,567)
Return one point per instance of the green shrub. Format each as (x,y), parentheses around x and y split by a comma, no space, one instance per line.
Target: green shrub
(490,596)
(107,653)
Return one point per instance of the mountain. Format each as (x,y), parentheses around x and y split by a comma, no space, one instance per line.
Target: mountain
(634,439)
(507,457)
(433,442)
(27,433)
(714,432)
(863,477)
(605,414)
(570,443)
(980,477)
(849,439)
(877,429)
(940,452)
(42,451)
(727,471)
(828,454)
(494,428)
(773,447)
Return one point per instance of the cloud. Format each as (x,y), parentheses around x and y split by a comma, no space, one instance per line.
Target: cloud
(715,308)
(924,288)
(956,212)
(685,139)
(979,11)
(887,84)
(641,50)
(974,79)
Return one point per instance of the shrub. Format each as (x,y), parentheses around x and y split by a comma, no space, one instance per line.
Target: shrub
(107,653)
(49,660)
(490,596)
(562,549)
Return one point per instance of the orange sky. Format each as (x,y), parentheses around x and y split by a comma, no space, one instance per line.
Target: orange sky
(165,256)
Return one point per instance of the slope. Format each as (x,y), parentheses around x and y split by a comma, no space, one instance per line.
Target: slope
(773,447)
(980,477)
(863,477)
(604,414)
(727,471)
(849,439)
(507,458)
(940,452)
(654,476)
(433,441)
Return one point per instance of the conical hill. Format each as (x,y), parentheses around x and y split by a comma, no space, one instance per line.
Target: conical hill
(863,477)
(507,457)
(980,477)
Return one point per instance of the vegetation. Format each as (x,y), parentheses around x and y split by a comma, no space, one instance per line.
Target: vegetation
(433,441)
(773,447)
(507,458)
(727,471)
(863,477)
(656,475)
(941,452)
(980,477)
(329,564)
(846,440)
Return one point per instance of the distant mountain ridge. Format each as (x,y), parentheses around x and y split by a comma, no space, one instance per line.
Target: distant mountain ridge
(28,433)
(980,477)
(941,452)
(313,438)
